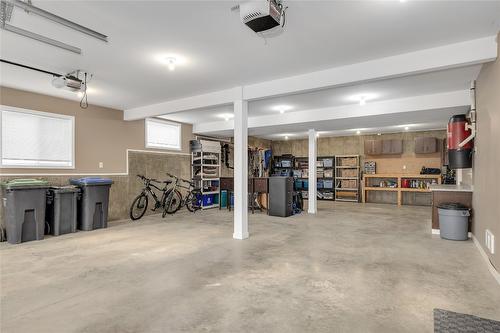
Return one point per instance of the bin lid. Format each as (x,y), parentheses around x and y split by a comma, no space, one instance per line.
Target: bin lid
(64,189)
(24,183)
(91,181)
(453,206)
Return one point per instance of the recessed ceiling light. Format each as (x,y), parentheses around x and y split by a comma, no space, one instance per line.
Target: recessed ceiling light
(171,62)
(282,108)
(379,134)
(226,116)
(362,98)
(407,128)
(286,137)
(358,132)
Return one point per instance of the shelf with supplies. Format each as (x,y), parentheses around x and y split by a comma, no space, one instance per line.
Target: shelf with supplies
(324,176)
(206,170)
(399,183)
(347,178)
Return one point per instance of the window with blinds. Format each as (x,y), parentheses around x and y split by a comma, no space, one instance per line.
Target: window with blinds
(163,134)
(33,139)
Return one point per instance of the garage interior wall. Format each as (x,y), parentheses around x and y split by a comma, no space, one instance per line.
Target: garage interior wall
(407,163)
(101,135)
(486,197)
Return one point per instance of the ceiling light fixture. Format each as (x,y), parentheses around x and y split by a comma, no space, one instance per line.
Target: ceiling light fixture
(282,108)
(286,137)
(379,134)
(407,128)
(358,132)
(171,62)
(362,98)
(226,116)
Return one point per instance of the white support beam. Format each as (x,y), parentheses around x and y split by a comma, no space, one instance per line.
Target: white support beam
(401,105)
(439,58)
(461,54)
(313,185)
(217,98)
(240,169)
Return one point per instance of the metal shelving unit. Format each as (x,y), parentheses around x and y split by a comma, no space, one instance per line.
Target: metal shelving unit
(347,178)
(206,170)
(325,172)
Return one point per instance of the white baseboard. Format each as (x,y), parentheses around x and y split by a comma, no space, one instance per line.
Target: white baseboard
(492,269)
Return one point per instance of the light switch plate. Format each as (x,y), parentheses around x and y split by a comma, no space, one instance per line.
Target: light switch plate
(101,165)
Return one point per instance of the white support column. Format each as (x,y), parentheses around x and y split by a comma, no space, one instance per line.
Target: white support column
(240,169)
(313,154)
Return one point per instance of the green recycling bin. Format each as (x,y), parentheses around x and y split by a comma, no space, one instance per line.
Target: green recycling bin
(24,209)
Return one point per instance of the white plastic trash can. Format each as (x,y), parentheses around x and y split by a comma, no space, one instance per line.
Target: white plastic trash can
(454,221)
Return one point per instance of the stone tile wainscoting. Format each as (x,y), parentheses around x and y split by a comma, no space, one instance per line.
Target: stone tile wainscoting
(126,187)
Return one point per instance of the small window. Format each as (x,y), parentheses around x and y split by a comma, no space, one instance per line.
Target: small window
(34,139)
(163,134)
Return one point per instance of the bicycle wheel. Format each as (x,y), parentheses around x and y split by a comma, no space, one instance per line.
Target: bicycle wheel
(172,202)
(139,206)
(192,202)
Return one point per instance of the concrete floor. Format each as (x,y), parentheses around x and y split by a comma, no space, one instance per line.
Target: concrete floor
(351,268)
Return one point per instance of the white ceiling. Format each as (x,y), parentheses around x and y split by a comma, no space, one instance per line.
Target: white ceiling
(221,52)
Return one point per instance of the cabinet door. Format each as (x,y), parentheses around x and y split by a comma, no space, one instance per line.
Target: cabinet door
(377,147)
(430,145)
(396,146)
(386,147)
(420,145)
(368,147)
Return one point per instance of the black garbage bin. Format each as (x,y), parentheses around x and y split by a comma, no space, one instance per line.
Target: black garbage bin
(93,203)
(24,209)
(61,211)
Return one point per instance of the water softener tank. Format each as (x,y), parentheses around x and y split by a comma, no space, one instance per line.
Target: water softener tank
(459,157)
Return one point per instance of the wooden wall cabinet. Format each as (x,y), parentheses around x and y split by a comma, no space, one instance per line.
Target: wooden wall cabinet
(392,147)
(373,147)
(383,147)
(426,145)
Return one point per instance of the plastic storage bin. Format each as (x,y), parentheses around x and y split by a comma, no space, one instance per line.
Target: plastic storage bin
(24,209)
(453,221)
(208,199)
(61,209)
(93,203)
(223,198)
(328,183)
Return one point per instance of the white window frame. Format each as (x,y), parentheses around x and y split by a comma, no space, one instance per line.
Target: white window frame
(161,121)
(45,114)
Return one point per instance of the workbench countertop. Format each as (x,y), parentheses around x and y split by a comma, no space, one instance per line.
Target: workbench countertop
(451,188)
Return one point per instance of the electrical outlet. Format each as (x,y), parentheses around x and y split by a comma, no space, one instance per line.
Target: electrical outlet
(101,165)
(490,241)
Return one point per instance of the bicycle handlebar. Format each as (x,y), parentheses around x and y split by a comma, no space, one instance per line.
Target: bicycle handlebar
(143,178)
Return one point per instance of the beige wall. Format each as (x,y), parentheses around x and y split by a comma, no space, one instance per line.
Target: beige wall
(355,145)
(101,134)
(486,197)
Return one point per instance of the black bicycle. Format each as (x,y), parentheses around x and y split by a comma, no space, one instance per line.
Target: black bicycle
(174,199)
(140,203)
